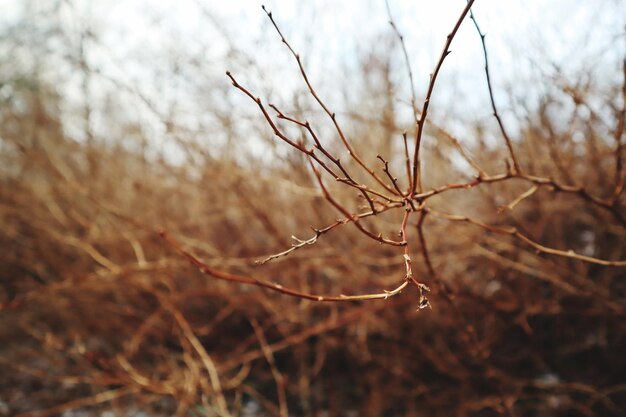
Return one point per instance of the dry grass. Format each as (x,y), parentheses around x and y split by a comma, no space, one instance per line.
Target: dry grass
(521,247)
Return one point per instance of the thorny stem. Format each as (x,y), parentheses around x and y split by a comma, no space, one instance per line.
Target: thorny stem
(393,179)
(407,161)
(243,279)
(580,191)
(321,232)
(413,200)
(536,181)
(353,218)
(423,301)
(330,114)
(318,144)
(431,85)
(311,153)
(517,234)
(507,139)
(519,199)
(407,61)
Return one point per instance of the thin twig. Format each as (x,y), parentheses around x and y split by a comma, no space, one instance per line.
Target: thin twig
(407,61)
(519,199)
(319,232)
(353,219)
(243,279)
(335,160)
(455,142)
(431,86)
(393,179)
(423,288)
(204,356)
(407,161)
(506,136)
(517,234)
(300,147)
(330,114)
(278,377)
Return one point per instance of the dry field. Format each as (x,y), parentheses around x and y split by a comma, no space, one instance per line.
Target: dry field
(346,265)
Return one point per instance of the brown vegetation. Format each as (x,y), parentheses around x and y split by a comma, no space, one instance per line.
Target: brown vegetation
(461,278)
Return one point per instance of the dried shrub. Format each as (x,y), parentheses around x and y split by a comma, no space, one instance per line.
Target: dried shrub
(492,286)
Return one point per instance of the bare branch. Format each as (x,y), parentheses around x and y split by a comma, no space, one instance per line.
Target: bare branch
(353,219)
(514,232)
(242,279)
(507,139)
(431,86)
(407,61)
(330,114)
(519,199)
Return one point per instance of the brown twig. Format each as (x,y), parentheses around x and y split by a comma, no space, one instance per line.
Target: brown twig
(330,114)
(353,219)
(278,377)
(407,61)
(519,199)
(243,279)
(319,232)
(335,160)
(431,86)
(393,179)
(407,162)
(517,234)
(208,363)
(507,139)
(311,153)
(410,277)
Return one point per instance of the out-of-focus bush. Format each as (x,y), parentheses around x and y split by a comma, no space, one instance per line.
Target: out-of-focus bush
(99,312)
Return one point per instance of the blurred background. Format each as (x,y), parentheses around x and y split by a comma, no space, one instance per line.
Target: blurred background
(117,121)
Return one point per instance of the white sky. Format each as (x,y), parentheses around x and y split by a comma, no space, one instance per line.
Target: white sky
(557,29)
(523,36)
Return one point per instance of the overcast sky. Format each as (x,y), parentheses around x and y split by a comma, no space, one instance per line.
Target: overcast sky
(524,37)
